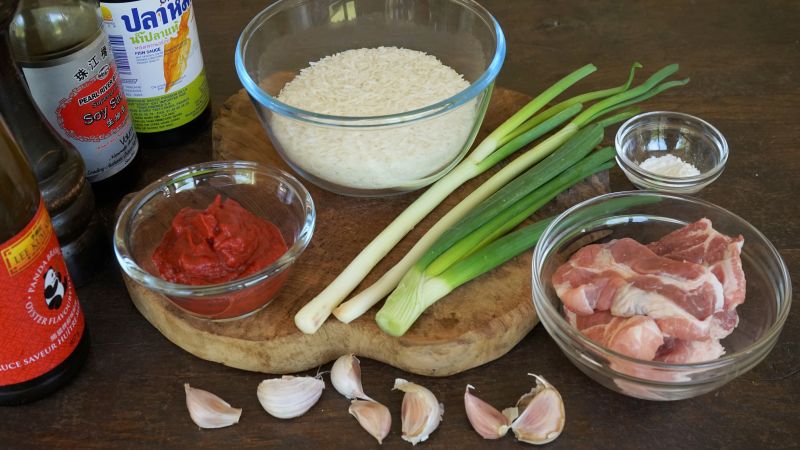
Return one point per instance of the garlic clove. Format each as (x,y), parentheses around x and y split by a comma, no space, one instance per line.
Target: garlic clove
(209,411)
(346,377)
(373,417)
(511,413)
(289,396)
(542,418)
(420,413)
(485,419)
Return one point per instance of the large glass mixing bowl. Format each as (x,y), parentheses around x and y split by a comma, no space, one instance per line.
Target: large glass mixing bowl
(338,153)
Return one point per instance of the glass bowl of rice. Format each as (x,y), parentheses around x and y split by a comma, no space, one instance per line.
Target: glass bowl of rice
(371,97)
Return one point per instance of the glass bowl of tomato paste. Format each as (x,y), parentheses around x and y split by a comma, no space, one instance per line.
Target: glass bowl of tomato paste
(217,239)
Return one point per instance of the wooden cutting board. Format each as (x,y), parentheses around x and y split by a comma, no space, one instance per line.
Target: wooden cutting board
(477,323)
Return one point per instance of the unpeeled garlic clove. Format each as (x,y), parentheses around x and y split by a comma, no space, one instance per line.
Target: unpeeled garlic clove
(209,411)
(373,417)
(485,419)
(420,413)
(542,417)
(346,377)
(289,396)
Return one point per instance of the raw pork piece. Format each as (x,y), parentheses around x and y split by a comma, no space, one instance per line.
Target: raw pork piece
(677,351)
(627,279)
(671,301)
(638,336)
(699,243)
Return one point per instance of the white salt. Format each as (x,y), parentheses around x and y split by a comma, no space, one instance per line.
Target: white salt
(669,166)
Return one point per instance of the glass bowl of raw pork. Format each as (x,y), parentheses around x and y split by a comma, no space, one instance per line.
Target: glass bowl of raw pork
(659,296)
(371,97)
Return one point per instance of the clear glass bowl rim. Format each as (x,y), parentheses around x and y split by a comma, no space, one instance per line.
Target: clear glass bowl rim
(122,231)
(551,313)
(653,178)
(473,90)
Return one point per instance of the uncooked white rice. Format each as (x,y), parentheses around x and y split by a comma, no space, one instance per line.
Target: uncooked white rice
(369,82)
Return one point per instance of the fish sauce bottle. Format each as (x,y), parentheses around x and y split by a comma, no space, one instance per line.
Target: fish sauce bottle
(157,49)
(65,57)
(43,341)
(58,168)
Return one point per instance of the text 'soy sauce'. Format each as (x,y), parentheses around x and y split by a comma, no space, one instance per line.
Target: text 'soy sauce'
(224,242)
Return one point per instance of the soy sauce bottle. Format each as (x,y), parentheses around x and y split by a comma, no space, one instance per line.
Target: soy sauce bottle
(64,55)
(43,341)
(157,49)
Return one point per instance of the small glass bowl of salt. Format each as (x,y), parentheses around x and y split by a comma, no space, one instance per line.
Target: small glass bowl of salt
(670,152)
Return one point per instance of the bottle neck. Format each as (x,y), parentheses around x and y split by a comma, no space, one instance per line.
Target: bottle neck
(45,30)
(44,148)
(19,194)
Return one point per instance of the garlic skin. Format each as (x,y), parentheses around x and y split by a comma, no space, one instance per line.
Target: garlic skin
(542,418)
(289,396)
(209,411)
(511,413)
(420,412)
(373,417)
(484,418)
(346,377)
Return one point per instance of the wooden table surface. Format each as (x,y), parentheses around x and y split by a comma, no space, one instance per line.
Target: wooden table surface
(744,61)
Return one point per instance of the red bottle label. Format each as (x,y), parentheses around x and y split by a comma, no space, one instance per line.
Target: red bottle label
(94,109)
(41,321)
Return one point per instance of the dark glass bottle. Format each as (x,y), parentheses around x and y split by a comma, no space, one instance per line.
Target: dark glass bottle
(43,342)
(157,49)
(58,167)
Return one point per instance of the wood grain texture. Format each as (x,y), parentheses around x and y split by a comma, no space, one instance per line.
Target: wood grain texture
(744,61)
(475,324)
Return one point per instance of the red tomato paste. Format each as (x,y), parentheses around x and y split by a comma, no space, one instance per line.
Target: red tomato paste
(222,243)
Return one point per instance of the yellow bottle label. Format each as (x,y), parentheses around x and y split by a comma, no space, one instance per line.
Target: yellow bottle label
(20,252)
(157,49)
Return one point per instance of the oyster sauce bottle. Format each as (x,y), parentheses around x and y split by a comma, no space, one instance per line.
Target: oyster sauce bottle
(43,340)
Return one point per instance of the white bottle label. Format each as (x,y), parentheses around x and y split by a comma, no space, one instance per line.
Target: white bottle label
(80,96)
(157,49)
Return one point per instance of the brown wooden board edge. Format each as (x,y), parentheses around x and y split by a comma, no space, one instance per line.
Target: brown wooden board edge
(176,326)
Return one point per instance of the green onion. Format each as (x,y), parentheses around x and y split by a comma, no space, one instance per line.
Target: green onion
(509,246)
(583,98)
(492,142)
(503,219)
(570,153)
(316,311)
(494,254)
(368,297)
(313,314)
(409,300)
(482,261)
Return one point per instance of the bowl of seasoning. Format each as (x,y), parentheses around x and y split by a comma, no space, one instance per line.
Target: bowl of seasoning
(217,239)
(371,97)
(659,296)
(670,152)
